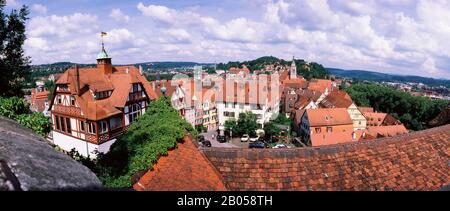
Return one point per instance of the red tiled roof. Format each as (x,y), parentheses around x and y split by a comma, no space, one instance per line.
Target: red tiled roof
(296,83)
(328,116)
(183,169)
(244,69)
(119,81)
(336,99)
(414,161)
(387,131)
(325,138)
(38,99)
(320,85)
(365,109)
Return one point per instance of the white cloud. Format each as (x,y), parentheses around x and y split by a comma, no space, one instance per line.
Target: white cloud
(406,36)
(39,8)
(37,43)
(78,23)
(119,16)
(13,3)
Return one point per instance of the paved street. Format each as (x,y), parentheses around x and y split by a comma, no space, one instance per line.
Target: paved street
(214,142)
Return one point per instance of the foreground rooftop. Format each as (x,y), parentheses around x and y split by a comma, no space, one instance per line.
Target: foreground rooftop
(414,161)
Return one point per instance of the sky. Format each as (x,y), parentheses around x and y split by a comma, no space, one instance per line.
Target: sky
(407,37)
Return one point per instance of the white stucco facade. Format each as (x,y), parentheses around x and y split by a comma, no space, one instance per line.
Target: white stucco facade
(85,148)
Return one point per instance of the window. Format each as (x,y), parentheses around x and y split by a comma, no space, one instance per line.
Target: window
(82,126)
(228,114)
(68,127)
(61,121)
(329,129)
(317,129)
(103,127)
(91,127)
(59,99)
(135,111)
(115,122)
(72,100)
(58,127)
(135,87)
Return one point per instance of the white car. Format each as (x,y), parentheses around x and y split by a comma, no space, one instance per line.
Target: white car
(245,138)
(279,146)
(254,139)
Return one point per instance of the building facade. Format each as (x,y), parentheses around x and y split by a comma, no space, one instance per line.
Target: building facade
(91,107)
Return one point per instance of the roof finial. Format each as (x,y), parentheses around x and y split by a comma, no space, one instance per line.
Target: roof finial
(103,54)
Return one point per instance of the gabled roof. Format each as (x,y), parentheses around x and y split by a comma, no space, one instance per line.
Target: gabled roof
(183,169)
(295,83)
(387,131)
(336,99)
(414,161)
(320,85)
(328,117)
(92,79)
(325,138)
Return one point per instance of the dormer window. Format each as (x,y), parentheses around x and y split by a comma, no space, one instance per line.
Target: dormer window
(102,95)
(72,100)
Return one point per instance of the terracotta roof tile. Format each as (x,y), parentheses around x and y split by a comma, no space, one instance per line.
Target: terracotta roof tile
(328,116)
(183,169)
(336,99)
(119,82)
(414,161)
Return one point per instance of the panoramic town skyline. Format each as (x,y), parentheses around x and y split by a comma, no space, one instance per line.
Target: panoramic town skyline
(408,37)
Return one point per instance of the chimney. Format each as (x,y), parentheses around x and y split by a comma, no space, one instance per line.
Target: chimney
(77,75)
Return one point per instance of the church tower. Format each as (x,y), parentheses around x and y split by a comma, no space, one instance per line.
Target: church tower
(293,70)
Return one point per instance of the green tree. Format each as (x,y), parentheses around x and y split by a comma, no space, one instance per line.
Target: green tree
(246,124)
(231,125)
(271,130)
(36,122)
(14,65)
(17,109)
(413,111)
(50,86)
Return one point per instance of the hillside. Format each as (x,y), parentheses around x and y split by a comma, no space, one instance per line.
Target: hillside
(376,76)
(307,70)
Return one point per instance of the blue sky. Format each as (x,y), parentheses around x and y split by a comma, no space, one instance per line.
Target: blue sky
(391,36)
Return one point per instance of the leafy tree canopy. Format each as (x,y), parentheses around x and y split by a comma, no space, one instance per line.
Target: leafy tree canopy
(17,109)
(413,111)
(14,65)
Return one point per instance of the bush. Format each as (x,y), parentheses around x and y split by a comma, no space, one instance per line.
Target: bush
(17,109)
(137,150)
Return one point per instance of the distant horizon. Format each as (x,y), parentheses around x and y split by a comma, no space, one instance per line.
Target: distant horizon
(209,63)
(409,36)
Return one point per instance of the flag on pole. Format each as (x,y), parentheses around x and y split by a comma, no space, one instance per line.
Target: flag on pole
(103,34)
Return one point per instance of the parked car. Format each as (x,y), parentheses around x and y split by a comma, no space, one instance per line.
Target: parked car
(254,139)
(206,143)
(245,138)
(257,145)
(279,146)
(200,138)
(221,139)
